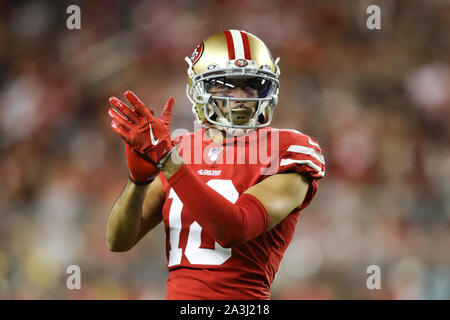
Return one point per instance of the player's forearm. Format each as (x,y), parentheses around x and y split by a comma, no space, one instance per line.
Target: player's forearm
(124,220)
(227,223)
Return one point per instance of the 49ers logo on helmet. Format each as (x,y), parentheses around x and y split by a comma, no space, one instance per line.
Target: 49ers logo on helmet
(197,53)
(240,63)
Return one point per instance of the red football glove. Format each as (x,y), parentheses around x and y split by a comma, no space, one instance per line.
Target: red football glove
(148,136)
(141,171)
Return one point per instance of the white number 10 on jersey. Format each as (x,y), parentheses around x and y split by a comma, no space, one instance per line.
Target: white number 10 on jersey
(193,252)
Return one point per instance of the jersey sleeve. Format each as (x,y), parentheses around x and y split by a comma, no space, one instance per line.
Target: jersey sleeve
(302,154)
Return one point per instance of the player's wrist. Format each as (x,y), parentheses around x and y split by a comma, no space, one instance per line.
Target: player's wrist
(141,182)
(172,164)
(164,159)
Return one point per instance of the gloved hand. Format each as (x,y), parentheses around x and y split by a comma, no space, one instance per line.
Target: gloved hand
(147,137)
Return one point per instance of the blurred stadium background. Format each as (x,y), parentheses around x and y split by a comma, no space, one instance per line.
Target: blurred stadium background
(377,101)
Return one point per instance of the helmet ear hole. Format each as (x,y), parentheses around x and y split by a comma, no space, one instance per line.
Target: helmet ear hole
(261,118)
(264,116)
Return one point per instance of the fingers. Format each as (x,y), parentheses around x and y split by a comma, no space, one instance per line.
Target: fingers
(119,125)
(119,119)
(124,109)
(166,113)
(136,103)
(119,130)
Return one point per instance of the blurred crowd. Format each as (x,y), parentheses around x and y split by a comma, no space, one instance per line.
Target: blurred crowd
(378,102)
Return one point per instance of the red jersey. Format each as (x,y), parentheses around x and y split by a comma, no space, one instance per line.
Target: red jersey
(199,268)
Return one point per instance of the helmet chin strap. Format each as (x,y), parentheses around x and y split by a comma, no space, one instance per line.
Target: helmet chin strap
(230,131)
(236,132)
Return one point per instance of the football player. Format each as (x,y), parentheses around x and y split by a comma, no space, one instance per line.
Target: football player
(229,215)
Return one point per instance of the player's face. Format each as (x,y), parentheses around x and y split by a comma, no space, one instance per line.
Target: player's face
(241,111)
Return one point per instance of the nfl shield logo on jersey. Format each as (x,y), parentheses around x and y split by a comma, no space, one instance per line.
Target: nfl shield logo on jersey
(214,153)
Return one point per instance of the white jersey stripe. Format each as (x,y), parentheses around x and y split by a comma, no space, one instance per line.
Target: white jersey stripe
(313,143)
(238,44)
(308,151)
(309,163)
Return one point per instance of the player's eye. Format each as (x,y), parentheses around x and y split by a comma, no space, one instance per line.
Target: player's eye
(250,89)
(262,86)
(252,84)
(255,86)
(218,84)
